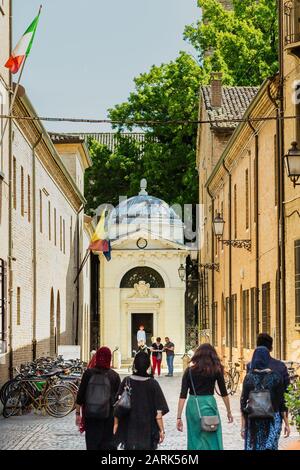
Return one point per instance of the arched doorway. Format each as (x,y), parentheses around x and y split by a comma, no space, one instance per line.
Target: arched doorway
(57,336)
(52,331)
(141,308)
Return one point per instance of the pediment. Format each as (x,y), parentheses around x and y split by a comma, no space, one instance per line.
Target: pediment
(154,242)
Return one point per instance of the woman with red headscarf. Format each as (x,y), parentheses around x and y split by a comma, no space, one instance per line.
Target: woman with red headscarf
(95,399)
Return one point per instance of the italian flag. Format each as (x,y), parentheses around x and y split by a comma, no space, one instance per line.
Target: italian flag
(23,47)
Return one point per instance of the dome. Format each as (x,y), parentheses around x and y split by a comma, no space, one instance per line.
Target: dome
(144,211)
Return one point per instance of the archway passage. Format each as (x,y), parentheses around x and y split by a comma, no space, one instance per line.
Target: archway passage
(142,273)
(138,319)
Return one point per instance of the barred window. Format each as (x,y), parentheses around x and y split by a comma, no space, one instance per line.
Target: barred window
(54,223)
(227,321)
(235,321)
(254,317)
(142,273)
(49,220)
(297,281)
(246,320)
(266,308)
(15,182)
(3,305)
(22,191)
(28,198)
(41,211)
(215,323)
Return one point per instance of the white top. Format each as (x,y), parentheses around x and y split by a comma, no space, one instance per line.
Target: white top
(141,335)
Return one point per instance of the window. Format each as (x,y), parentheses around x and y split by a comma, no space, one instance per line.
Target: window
(60,233)
(41,211)
(49,220)
(3,304)
(276,170)
(54,222)
(215,323)
(246,339)
(1,130)
(235,211)
(18,306)
(142,273)
(227,321)
(22,191)
(64,236)
(266,308)
(247,197)
(235,321)
(297,281)
(15,182)
(297,102)
(28,199)
(254,317)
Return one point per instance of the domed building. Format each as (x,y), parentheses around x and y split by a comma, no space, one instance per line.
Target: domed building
(140,285)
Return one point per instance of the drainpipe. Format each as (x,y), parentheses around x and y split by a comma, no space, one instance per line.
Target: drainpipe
(230,261)
(34,257)
(10,209)
(281,186)
(212,252)
(77,270)
(257,244)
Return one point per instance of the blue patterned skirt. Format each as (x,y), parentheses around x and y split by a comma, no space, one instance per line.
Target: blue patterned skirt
(263,434)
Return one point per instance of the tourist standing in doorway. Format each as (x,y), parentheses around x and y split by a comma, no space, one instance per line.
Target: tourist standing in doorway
(141,337)
(157,349)
(94,405)
(262,404)
(202,411)
(143,427)
(169,348)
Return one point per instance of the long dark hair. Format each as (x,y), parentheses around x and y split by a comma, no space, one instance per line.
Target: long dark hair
(206,360)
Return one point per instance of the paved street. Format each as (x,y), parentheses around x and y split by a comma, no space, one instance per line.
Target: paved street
(40,433)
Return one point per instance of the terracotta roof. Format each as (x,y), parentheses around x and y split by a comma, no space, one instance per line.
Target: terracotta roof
(235,101)
(66,138)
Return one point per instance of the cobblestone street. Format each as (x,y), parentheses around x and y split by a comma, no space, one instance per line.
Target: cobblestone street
(34,432)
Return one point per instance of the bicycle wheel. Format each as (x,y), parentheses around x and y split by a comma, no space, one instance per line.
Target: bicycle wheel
(235,382)
(59,401)
(228,384)
(13,404)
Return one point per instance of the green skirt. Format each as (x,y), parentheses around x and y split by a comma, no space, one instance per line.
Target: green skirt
(198,439)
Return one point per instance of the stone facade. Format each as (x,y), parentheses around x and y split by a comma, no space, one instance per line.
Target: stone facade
(49,240)
(240,181)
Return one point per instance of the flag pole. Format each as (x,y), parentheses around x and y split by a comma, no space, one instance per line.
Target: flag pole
(86,257)
(15,94)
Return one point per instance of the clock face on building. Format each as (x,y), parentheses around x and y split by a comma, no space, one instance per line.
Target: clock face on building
(142,243)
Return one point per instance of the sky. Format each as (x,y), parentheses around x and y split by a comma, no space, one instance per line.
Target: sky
(86,53)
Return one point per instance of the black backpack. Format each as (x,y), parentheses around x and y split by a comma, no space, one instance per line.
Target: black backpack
(259,405)
(98,397)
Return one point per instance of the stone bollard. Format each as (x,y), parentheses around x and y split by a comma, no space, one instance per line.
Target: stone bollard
(116,358)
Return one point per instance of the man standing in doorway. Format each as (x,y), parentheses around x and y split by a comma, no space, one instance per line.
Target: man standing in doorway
(169,349)
(141,337)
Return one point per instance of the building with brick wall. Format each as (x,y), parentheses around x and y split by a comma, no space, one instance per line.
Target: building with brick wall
(50,237)
(255,284)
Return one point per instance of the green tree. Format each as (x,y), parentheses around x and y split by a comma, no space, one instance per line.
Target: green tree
(166,93)
(242,43)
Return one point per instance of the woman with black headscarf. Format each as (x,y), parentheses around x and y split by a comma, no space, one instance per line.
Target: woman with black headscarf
(263,413)
(142,428)
(95,399)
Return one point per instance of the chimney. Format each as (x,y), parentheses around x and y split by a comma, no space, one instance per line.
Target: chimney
(216,90)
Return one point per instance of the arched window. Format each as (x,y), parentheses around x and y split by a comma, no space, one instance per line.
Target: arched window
(142,273)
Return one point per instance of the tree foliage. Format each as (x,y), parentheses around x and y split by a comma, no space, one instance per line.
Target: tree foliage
(242,44)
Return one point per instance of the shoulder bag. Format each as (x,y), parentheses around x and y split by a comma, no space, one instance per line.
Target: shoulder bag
(259,404)
(122,407)
(207,423)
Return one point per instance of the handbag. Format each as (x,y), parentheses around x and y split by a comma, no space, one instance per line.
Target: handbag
(122,407)
(207,423)
(259,404)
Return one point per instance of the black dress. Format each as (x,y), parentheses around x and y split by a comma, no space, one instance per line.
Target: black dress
(139,430)
(99,432)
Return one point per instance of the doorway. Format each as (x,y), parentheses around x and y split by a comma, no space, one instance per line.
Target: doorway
(138,319)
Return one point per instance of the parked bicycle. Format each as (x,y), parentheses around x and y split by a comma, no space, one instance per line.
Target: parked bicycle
(232,378)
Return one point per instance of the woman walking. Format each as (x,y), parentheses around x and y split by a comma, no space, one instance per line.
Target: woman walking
(157,349)
(202,415)
(143,427)
(95,399)
(263,433)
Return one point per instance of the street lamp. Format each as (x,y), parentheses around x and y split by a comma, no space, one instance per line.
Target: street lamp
(218,226)
(181,272)
(292,163)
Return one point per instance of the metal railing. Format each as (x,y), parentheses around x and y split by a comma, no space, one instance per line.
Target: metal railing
(292,21)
